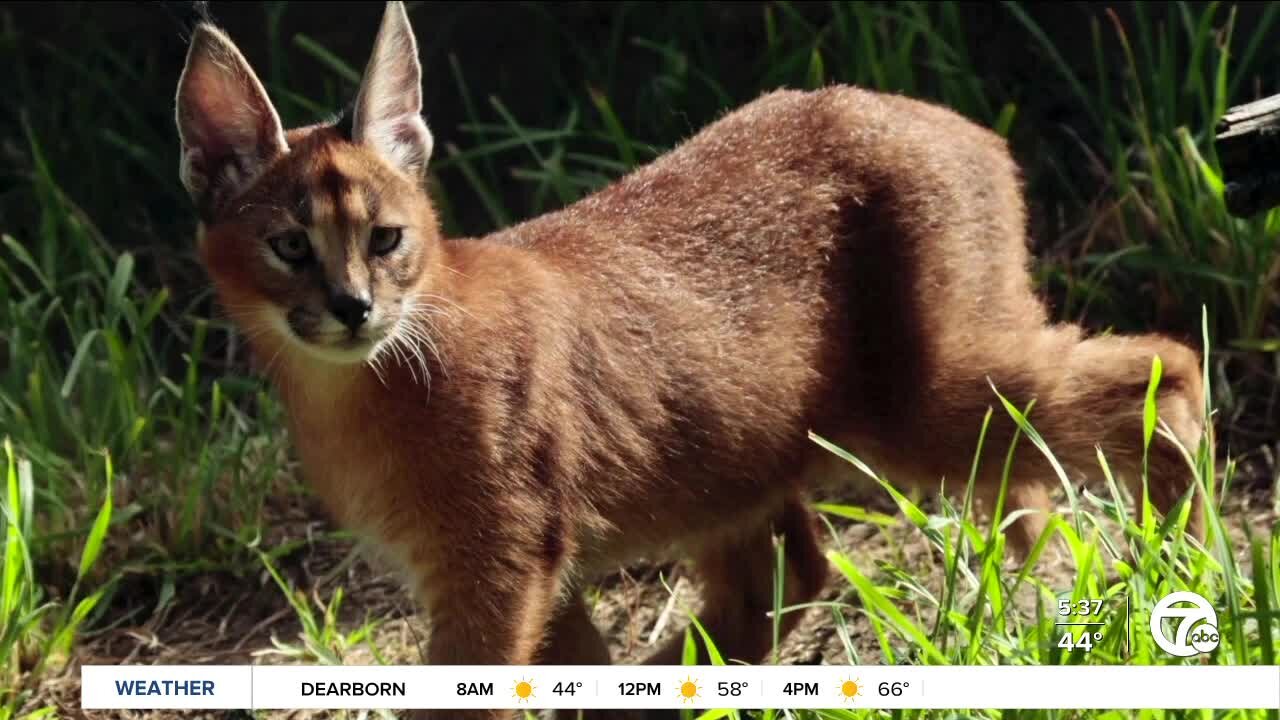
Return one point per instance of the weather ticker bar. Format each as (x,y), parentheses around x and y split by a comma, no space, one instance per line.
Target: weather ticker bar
(263,687)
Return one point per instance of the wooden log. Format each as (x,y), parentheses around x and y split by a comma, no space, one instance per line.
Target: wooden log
(1248,143)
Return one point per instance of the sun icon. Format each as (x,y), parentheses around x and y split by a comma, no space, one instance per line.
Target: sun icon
(850,689)
(523,690)
(688,690)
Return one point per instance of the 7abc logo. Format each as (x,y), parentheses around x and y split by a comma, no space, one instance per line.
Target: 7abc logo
(1194,624)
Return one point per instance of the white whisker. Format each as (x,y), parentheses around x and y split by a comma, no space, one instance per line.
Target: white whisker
(375,364)
(396,339)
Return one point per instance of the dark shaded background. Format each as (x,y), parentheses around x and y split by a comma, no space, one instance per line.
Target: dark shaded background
(534,56)
(117,64)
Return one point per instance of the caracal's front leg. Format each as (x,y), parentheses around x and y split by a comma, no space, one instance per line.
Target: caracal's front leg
(493,610)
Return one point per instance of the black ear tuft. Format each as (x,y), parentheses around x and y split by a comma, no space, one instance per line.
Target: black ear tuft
(343,122)
(187,15)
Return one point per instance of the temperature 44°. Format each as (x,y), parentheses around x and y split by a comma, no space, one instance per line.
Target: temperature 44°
(1084,643)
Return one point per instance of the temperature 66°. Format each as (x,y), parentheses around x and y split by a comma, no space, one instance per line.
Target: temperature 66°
(894,689)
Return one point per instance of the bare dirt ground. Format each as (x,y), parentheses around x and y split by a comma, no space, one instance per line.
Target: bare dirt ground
(226,620)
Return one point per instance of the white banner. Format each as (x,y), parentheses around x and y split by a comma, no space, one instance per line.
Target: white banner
(698,687)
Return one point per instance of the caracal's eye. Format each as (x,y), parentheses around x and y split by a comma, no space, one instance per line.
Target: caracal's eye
(384,239)
(293,247)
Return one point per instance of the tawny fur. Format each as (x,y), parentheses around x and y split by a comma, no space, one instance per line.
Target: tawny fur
(636,375)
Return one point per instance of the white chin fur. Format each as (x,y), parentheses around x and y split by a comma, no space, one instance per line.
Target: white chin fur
(343,354)
(340,355)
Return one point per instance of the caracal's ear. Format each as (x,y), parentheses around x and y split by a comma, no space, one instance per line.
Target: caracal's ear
(229,129)
(388,109)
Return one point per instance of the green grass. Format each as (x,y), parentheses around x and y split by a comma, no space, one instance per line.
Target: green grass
(140,451)
(1127,560)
